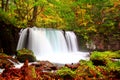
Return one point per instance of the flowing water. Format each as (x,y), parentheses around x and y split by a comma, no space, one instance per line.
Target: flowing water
(56,46)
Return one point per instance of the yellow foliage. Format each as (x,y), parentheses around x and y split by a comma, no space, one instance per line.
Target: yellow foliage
(92,28)
(116,3)
(51,5)
(85,23)
(82,12)
(89,6)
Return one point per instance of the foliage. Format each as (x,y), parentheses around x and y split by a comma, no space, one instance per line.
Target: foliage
(65,71)
(89,71)
(86,17)
(4,16)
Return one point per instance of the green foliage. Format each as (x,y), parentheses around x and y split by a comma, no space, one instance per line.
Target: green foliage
(87,70)
(65,71)
(86,17)
(6,17)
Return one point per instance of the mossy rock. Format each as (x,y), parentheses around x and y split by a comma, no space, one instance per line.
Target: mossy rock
(25,54)
(103,58)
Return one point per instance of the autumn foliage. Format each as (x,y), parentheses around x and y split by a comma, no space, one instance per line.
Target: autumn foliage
(84,70)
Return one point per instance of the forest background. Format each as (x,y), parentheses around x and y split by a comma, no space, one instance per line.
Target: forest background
(96,22)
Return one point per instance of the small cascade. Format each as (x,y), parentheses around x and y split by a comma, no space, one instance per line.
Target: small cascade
(71,41)
(23,39)
(50,44)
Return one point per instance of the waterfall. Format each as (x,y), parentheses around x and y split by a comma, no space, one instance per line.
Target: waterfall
(71,41)
(23,39)
(50,44)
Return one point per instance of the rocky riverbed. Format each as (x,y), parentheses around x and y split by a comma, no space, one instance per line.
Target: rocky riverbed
(105,68)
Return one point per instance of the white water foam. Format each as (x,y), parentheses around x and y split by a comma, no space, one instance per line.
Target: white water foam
(66,58)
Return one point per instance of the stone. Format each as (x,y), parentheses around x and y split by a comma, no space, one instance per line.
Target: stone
(25,54)
(7,61)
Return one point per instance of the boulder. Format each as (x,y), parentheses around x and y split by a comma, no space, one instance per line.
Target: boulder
(25,54)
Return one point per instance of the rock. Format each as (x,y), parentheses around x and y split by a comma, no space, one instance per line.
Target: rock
(25,54)
(72,66)
(8,37)
(45,66)
(99,62)
(6,61)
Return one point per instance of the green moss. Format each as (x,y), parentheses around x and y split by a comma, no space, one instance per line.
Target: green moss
(104,57)
(105,54)
(64,71)
(87,63)
(24,51)
(114,66)
(118,52)
(25,54)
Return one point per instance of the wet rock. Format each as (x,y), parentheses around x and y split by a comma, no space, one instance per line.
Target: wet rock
(25,54)
(45,66)
(72,66)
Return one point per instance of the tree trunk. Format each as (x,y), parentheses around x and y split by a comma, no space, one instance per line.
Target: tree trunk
(6,5)
(34,16)
(2,4)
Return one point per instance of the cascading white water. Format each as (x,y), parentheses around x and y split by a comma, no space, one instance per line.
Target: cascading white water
(71,41)
(57,40)
(22,39)
(50,44)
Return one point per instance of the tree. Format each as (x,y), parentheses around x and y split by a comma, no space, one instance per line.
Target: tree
(4,4)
